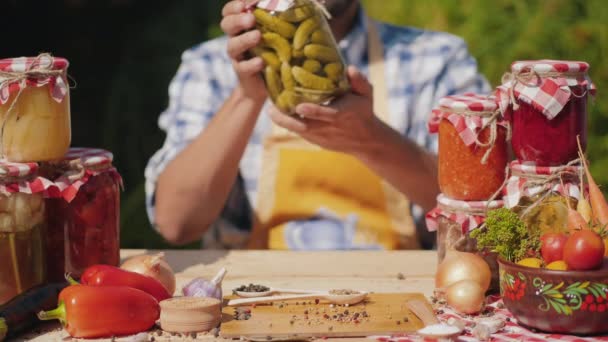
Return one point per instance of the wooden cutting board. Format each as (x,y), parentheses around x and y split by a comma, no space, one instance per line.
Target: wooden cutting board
(381,314)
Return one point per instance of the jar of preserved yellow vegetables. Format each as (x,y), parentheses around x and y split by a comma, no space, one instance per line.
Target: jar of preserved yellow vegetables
(454,220)
(34,108)
(22,217)
(541,194)
(303,62)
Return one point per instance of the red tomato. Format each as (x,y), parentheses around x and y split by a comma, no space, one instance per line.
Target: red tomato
(552,246)
(584,250)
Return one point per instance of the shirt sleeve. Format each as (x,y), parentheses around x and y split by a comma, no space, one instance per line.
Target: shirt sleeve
(195,94)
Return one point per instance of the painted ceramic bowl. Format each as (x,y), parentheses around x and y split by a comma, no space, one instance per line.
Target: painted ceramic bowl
(568,302)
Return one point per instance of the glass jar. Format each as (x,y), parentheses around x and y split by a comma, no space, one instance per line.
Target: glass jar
(83,222)
(546,125)
(472,146)
(541,194)
(22,214)
(35,112)
(303,62)
(453,221)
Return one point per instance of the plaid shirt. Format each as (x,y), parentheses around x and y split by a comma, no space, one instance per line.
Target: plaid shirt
(421,67)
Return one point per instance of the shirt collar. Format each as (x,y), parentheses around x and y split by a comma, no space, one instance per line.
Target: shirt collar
(354,44)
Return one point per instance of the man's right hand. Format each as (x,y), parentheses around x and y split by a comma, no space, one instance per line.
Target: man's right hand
(239,25)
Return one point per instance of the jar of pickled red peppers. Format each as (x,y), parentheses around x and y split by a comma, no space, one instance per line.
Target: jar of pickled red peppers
(34,108)
(541,194)
(472,146)
(84,219)
(22,221)
(454,220)
(546,101)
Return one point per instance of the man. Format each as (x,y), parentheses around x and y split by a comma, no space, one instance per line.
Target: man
(240,173)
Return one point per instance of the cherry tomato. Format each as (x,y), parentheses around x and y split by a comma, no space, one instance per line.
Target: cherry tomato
(584,250)
(552,246)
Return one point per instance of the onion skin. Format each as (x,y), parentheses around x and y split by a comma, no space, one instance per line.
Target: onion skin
(466,296)
(153,266)
(459,266)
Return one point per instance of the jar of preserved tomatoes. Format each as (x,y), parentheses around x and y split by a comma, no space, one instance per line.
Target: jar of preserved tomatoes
(22,218)
(472,146)
(454,220)
(83,220)
(34,108)
(541,194)
(546,102)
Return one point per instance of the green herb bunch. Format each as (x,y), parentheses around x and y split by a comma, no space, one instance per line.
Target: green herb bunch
(507,235)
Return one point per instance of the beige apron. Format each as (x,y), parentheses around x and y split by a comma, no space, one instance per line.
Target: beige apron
(298,178)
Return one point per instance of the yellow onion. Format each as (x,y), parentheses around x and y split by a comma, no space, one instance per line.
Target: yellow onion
(466,296)
(463,266)
(153,266)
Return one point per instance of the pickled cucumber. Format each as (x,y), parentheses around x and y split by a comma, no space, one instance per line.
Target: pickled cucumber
(274,24)
(320,37)
(273,82)
(312,81)
(334,71)
(288,82)
(287,101)
(278,44)
(312,65)
(297,54)
(298,14)
(304,32)
(269,57)
(322,53)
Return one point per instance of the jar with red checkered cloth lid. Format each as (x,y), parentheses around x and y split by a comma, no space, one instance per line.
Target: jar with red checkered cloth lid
(83,220)
(546,101)
(34,108)
(541,194)
(22,220)
(472,146)
(453,220)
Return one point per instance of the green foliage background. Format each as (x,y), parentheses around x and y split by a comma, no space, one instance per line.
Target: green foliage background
(123,54)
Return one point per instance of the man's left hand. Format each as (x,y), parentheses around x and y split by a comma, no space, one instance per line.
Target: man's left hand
(348,125)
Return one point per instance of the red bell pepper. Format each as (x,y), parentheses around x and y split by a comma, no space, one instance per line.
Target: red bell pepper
(104,275)
(100,311)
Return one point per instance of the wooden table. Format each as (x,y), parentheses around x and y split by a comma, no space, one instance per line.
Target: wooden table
(372,271)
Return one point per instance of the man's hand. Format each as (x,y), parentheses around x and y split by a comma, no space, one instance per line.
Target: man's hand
(238,25)
(348,125)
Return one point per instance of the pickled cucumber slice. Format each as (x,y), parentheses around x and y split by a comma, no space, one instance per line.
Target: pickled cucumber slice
(273,82)
(322,53)
(274,24)
(278,44)
(321,37)
(269,57)
(287,101)
(288,82)
(312,81)
(312,65)
(304,32)
(334,71)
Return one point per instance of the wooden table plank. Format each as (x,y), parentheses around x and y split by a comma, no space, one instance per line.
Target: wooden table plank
(372,271)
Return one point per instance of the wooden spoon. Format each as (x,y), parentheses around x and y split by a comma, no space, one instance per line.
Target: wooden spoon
(271,291)
(349,299)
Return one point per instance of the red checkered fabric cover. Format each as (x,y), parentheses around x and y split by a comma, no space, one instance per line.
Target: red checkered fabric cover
(546,85)
(19,73)
(459,212)
(20,177)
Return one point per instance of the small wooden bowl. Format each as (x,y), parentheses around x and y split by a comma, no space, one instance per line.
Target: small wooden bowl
(567,302)
(190,314)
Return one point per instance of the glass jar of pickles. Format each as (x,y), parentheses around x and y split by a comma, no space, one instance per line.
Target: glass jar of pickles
(22,218)
(541,194)
(83,221)
(34,108)
(454,220)
(546,101)
(303,62)
(472,146)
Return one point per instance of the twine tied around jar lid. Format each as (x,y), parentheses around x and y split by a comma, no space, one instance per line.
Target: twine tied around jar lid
(492,123)
(78,169)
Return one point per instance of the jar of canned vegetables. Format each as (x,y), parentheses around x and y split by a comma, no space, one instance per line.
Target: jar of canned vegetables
(303,62)
(83,221)
(472,146)
(454,220)
(541,194)
(34,108)
(547,103)
(22,218)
